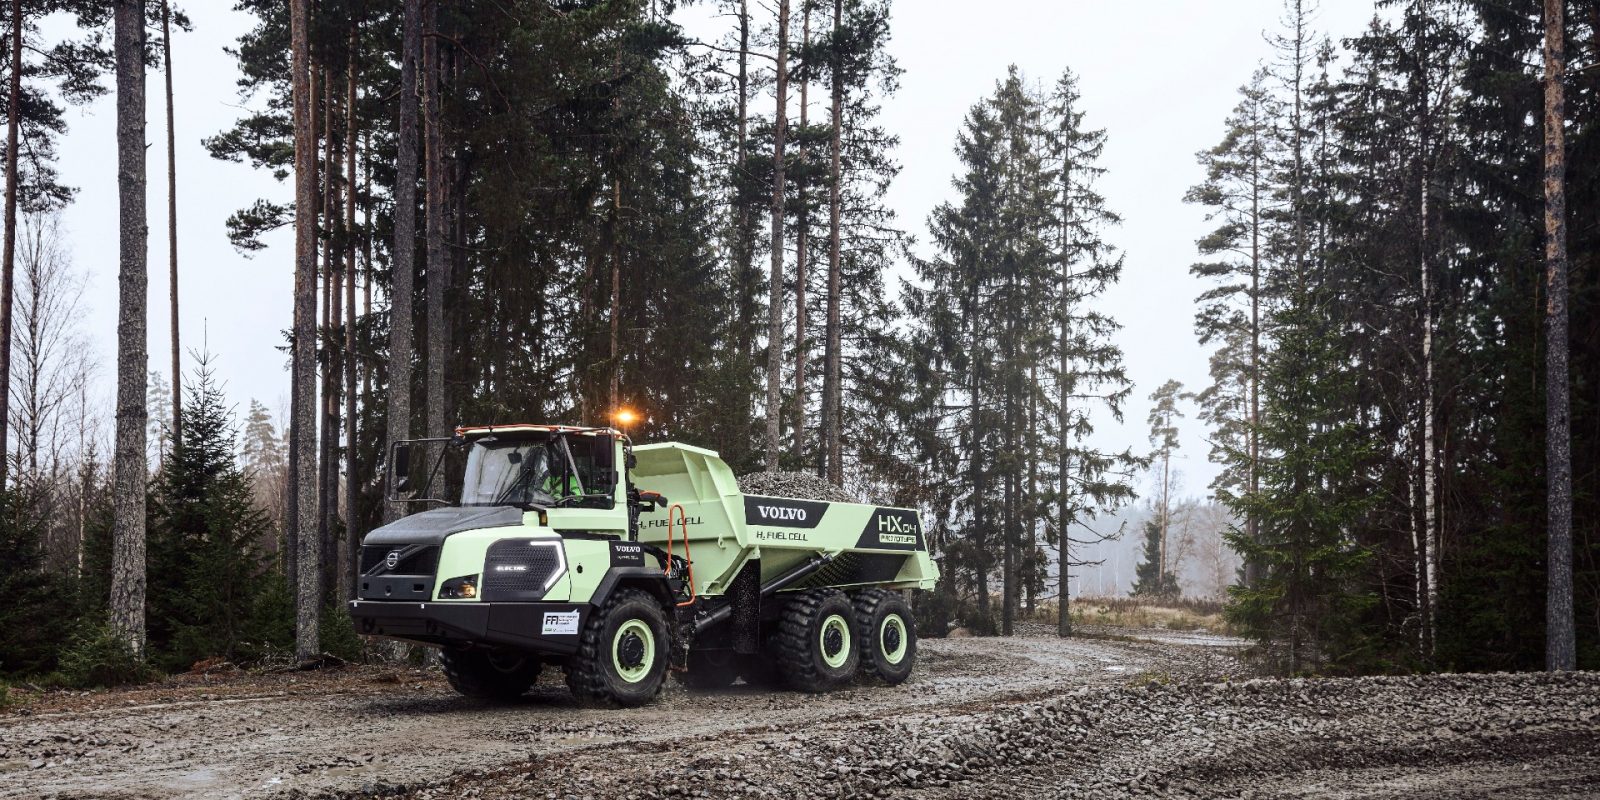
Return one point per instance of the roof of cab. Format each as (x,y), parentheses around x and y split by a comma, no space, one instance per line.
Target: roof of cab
(527,427)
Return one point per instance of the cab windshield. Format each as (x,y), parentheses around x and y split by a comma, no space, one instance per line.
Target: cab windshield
(535,472)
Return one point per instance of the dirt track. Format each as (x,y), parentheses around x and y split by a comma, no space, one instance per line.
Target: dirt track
(1031,716)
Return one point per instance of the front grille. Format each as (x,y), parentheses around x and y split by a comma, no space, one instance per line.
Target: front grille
(413,559)
(517,569)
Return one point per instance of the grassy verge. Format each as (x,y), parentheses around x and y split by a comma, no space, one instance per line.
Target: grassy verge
(1136,612)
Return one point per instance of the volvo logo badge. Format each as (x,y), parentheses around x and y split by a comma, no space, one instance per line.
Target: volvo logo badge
(393,559)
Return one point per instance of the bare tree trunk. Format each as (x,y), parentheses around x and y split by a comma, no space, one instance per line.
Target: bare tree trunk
(128,500)
(438,261)
(172,228)
(303,449)
(1430,521)
(332,314)
(1166,515)
(614,389)
(367,397)
(1252,569)
(1560,641)
(832,391)
(405,243)
(775,295)
(8,259)
(742,234)
(347,560)
(800,277)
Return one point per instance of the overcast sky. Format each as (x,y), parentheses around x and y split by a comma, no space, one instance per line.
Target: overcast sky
(1159,75)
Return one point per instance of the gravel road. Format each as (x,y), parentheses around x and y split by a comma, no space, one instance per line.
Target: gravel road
(1022,717)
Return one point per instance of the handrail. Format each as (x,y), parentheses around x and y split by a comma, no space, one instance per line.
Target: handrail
(683,521)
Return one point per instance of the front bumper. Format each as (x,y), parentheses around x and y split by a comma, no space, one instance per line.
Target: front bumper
(550,628)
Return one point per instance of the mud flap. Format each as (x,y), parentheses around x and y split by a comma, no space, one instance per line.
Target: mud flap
(744,593)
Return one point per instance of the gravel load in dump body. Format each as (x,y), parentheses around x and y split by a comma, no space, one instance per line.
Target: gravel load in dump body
(799,485)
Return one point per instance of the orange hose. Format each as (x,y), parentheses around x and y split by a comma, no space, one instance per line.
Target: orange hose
(683,521)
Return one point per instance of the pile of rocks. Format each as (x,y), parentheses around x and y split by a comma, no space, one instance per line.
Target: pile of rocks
(800,485)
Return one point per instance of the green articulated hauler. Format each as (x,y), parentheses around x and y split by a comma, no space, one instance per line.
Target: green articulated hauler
(571,547)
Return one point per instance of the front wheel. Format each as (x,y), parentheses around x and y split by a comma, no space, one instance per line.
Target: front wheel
(888,635)
(489,675)
(622,654)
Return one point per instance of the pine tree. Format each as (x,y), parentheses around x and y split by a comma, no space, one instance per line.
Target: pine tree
(1163,420)
(128,564)
(1239,198)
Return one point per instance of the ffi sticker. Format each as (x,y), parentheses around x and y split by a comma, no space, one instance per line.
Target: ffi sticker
(560,622)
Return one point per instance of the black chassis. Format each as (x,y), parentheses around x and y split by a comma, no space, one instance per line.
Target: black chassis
(512,625)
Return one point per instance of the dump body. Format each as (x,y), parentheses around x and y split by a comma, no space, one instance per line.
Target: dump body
(872,545)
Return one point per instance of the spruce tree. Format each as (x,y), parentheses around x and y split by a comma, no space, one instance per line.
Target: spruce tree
(206,564)
(1150,579)
(1308,600)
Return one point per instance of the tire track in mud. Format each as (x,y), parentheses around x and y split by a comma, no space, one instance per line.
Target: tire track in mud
(362,737)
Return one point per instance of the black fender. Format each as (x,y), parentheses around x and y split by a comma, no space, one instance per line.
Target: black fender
(650,579)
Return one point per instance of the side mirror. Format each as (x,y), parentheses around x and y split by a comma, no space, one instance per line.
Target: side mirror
(401,470)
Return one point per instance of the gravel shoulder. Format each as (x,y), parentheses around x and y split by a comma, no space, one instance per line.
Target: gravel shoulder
(980,718)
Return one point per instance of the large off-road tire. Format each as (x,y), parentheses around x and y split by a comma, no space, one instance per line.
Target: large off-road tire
(622,653)
(489,675)
(816,642)
(888,635)
(710,669)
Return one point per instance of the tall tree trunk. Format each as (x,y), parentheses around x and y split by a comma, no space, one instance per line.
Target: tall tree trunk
(405,244)
(303,447)
(743,247)
(614,389)
(1166,515)
(1252,567)
(1008,511)
(1560,640)
(800,277)
(172,227)
(833,393)
(348,562)
(368,271)
(8,259)
(332,314)
(775,280)
(128,576)
(438,260)
(1430,520)
(128,500)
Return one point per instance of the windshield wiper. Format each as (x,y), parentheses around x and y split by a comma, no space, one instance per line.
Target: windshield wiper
(522,475)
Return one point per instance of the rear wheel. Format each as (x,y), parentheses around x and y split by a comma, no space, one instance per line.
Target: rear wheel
(888,635)
(622,653)
(817,645)
(489,675)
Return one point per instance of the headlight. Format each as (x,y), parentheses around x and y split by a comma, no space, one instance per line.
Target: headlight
(462,588)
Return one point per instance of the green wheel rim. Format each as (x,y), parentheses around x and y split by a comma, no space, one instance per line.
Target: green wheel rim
(892,639)
(834,641)
(629,632)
